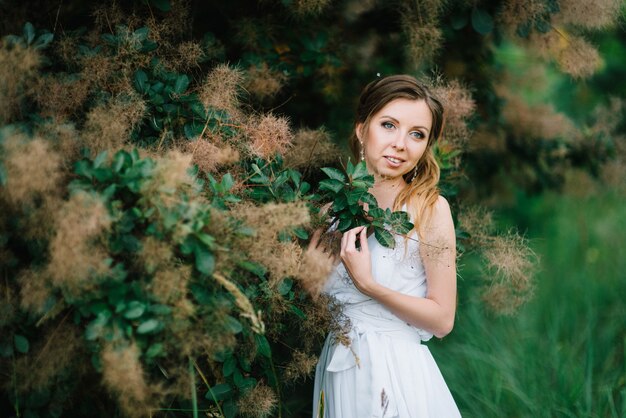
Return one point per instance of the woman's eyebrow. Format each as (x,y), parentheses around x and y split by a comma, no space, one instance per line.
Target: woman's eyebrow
(397,121)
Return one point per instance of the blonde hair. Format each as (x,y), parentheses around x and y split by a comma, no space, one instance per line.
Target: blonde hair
(422,192)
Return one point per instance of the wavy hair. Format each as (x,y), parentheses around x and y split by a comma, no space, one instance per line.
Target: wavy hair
(421,194)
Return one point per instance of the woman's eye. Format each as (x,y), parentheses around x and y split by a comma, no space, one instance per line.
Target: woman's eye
(387,125)
(417,134)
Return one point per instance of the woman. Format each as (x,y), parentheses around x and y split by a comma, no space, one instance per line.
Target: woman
(393,298)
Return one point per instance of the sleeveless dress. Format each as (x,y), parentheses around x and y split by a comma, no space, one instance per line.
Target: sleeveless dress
(385,371)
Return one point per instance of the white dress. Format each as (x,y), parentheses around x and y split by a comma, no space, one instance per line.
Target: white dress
(386,371)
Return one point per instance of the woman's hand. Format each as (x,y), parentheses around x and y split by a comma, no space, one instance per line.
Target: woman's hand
(358,262)
(317,250)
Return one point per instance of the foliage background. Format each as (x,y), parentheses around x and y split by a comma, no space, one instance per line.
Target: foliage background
(158,168)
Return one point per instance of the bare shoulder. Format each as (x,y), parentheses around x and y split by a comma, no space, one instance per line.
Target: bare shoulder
(440,225)
(441,214)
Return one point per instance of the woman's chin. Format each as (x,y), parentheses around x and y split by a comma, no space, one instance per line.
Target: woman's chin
(389,175)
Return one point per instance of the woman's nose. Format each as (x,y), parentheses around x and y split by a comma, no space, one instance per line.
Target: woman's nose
(398,141)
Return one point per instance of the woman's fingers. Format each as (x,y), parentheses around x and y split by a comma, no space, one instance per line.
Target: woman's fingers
(363,238)
(315,239)
(348,240)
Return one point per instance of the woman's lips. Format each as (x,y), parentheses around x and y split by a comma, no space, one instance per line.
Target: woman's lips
(394,161)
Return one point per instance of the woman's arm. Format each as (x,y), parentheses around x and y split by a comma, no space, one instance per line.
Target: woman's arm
(435,312)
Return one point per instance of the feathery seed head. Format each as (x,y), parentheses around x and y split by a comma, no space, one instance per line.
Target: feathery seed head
(268,135)
(311,148)
(259,402)
(32,168)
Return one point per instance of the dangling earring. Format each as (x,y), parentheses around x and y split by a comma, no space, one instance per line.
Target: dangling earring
(414,174)
(362,152)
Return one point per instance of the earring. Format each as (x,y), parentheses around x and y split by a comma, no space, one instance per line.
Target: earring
(414,174)
(362,152)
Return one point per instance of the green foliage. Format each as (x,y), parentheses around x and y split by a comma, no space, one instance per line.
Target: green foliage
(348,192)
(172,112)
(271,182)
(126,306)
(36,39)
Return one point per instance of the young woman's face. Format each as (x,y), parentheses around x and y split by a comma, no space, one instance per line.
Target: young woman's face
(396,137)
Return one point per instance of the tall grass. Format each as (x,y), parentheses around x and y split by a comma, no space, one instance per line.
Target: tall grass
(562,354)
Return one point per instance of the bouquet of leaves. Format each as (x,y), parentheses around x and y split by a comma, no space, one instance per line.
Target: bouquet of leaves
(353,205)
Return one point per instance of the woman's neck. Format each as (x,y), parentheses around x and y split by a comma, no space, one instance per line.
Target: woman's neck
(385,190)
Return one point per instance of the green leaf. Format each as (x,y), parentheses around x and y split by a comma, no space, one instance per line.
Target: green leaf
(83,168)
(285,286)
(246,383)
(340,203)
(360,185)
(134,310)
(109,38)
(43,40)
(227,182)
(159,309)
(301,233)
(229,366)
(193,130)
(482,22)
(334,173)
(262,345)
(206,239)
(119,160)
(182,82)
(458,21)
(230,409)
(360,171)
(252,267)
(141,81)
(155,350)
(148,326)
(370,200)
(354,196)
(350,169)
(344,224)
(101,158)
(232,324)
(297,311)
(376,212)
(21,343)
(523,29)
(331,185)
(219,392)
(141,34)
(29,33)
(384,237)
(205,260)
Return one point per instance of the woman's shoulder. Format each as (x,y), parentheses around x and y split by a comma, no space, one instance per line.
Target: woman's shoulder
(440,221)
(439,216)
(441,207)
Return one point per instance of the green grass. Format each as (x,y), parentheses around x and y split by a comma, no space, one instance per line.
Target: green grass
(562,354)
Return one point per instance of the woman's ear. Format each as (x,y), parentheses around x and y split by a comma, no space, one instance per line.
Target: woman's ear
(358,130)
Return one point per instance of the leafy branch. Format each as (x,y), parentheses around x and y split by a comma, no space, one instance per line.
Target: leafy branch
(348,191)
